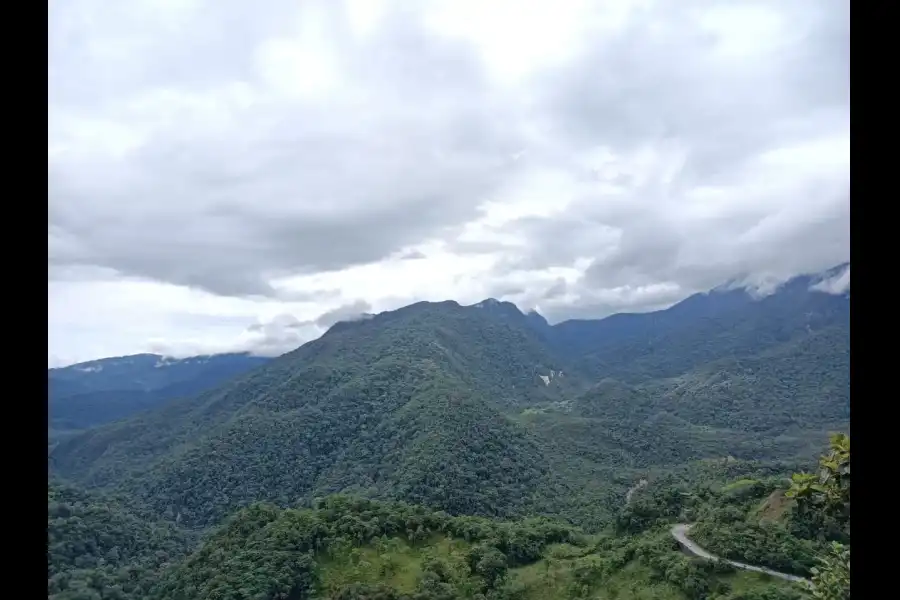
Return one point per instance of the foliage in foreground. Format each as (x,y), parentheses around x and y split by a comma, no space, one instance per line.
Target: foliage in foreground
(266,552)
(828,495)
(814,540)
(831,579)
(350,548)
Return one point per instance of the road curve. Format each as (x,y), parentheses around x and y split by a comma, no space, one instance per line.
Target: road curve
(679,532)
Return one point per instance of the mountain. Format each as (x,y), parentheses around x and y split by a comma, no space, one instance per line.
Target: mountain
(147,372)
(723,323)
(723,373)
(405,405)
(485,410)
(109,389)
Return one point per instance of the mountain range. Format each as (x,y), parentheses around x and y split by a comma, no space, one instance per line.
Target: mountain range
(99,391)
(478,409)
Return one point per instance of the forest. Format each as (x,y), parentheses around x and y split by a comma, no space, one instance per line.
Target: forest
(353,548)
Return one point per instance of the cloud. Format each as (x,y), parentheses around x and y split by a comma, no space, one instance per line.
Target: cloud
(837,284)
(225,186)
(279,335)
(272,337)
(285,158)
(343,313)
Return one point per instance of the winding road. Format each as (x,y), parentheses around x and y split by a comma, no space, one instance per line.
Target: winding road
(679,532)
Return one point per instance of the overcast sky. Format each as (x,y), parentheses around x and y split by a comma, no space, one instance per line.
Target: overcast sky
(231,175)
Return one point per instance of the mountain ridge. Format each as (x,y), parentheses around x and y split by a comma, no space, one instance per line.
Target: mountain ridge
(103,390)
(463,408)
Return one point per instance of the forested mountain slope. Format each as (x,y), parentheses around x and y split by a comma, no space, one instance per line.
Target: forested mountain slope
(778,404)
(800,384)
(720,324)
(482,410)
(404,405)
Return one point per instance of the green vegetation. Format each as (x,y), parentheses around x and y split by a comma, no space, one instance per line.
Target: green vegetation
(441,451)
(347,547)
(826,497)
(814,515)
(353,548)
(435,404)
(404,406)
(396,430)
(730,524)
(704,329)
(765,545)
(98,548)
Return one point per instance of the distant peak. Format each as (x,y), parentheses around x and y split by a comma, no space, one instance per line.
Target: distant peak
(493,303)
(99,363)
(487,302)
(499,307)
(834,280)
(536,320)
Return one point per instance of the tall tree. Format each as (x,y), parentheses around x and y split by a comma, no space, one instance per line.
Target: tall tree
(828,493)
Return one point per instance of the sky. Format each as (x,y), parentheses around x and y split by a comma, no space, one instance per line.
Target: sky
(228,175)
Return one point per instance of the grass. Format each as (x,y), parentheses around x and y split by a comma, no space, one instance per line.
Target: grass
(553,579)
(746,581)
(398,564)
(393,562)
(775,508)
(739,485)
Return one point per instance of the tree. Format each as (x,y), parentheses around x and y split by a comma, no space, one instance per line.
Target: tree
(831,580)
(828,493)
(489,563)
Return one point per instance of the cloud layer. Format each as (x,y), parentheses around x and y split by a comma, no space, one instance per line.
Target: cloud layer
(219,166)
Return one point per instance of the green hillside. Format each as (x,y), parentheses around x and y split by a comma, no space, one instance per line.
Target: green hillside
(404,406)
(705,328)
(352,548)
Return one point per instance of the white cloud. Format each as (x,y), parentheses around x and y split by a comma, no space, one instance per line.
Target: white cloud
(217,169)
(838,284)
